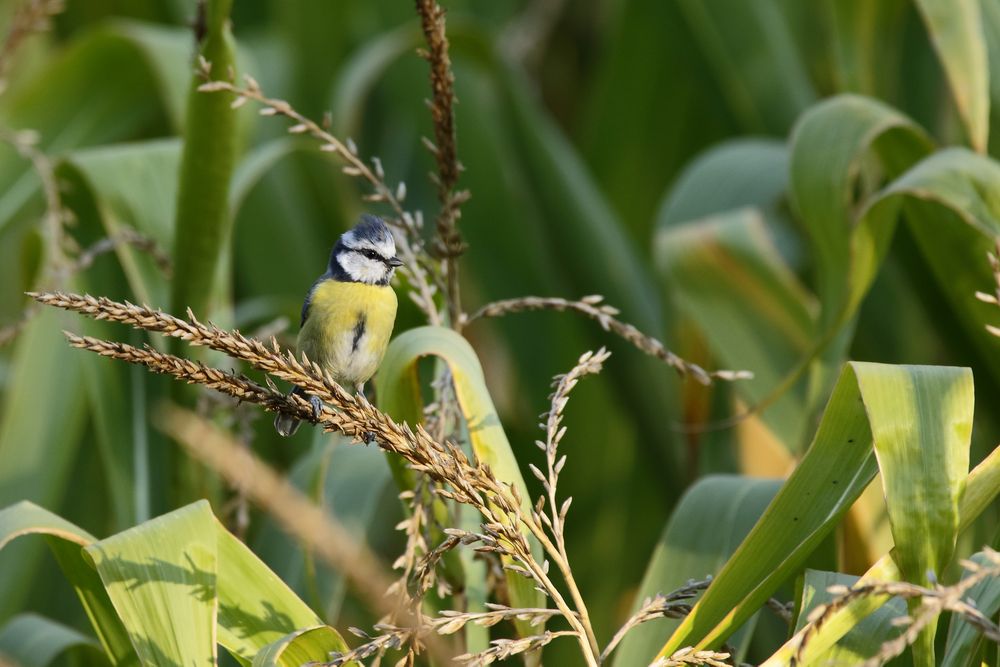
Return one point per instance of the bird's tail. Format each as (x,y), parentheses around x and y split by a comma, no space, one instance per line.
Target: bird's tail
(285,424)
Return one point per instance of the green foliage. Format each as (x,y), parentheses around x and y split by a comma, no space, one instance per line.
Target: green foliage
(775,186)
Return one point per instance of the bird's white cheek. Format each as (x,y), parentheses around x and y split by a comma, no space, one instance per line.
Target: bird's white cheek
(363,269)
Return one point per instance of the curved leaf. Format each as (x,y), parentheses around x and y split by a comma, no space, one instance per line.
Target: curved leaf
(398,395)
(301,647)
(955,27)
(964,640)
(838,465)
(866,637)
(707,525)
(828,147)
(725,273)
(949,201)
(66,541)
(31,640)
(161,577)
(981,487)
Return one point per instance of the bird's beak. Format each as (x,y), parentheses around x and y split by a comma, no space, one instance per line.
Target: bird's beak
(395,261)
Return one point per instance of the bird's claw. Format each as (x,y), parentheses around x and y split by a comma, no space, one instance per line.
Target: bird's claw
(317,406)
(368,437)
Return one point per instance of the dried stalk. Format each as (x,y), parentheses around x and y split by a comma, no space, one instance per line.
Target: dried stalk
(604,314)
(31,17)
(448,245)
(688,656)
(467,482)
(407,225)
(934,601)
(673,605)
(993,298)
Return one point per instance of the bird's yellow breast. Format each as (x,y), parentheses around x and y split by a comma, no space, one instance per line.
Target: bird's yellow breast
(347,329)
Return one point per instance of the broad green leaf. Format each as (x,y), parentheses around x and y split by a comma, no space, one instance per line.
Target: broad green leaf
(828,148)
(109,188)
(955,27)
(707,525)
(66,542)
(42,369)
(396,384)
(865,638)
(836,468)
(756,64)
(921,420)
(301,647)
(951,204)
(964,640)
(31,640)
(161,577)
(255,607)
(735,174)
(725,273)
(142,93)
(981,488)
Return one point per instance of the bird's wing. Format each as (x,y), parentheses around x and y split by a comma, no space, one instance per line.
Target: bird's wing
(308,301)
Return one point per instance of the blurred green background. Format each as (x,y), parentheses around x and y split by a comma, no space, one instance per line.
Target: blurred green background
(592,133)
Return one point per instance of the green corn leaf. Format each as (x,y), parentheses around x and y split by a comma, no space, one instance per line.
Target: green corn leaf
(66,542)
(981,488)
(143,92)
(31,640)
(865,638)
(726,275)
(750,48)
(301,647)
(256,607)
(964,640)
(951,204)
(161,577)
(170,576)
(707,525)
(828,148)
(43,369)
(735,174)
(839,464)
(397,394)
(955,27)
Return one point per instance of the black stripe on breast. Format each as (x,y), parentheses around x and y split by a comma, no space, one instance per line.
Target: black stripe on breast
(359,331)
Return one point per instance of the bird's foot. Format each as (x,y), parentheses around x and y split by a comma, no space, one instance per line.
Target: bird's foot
(317,406)
(368,437)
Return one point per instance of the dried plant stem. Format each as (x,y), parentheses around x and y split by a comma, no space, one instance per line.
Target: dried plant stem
(673,605)
(468,482)
(449,245)
(592,307)
(688,656)
(994,298)
(407,240)
(32,16)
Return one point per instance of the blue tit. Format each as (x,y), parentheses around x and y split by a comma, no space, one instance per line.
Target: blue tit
(349,311)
